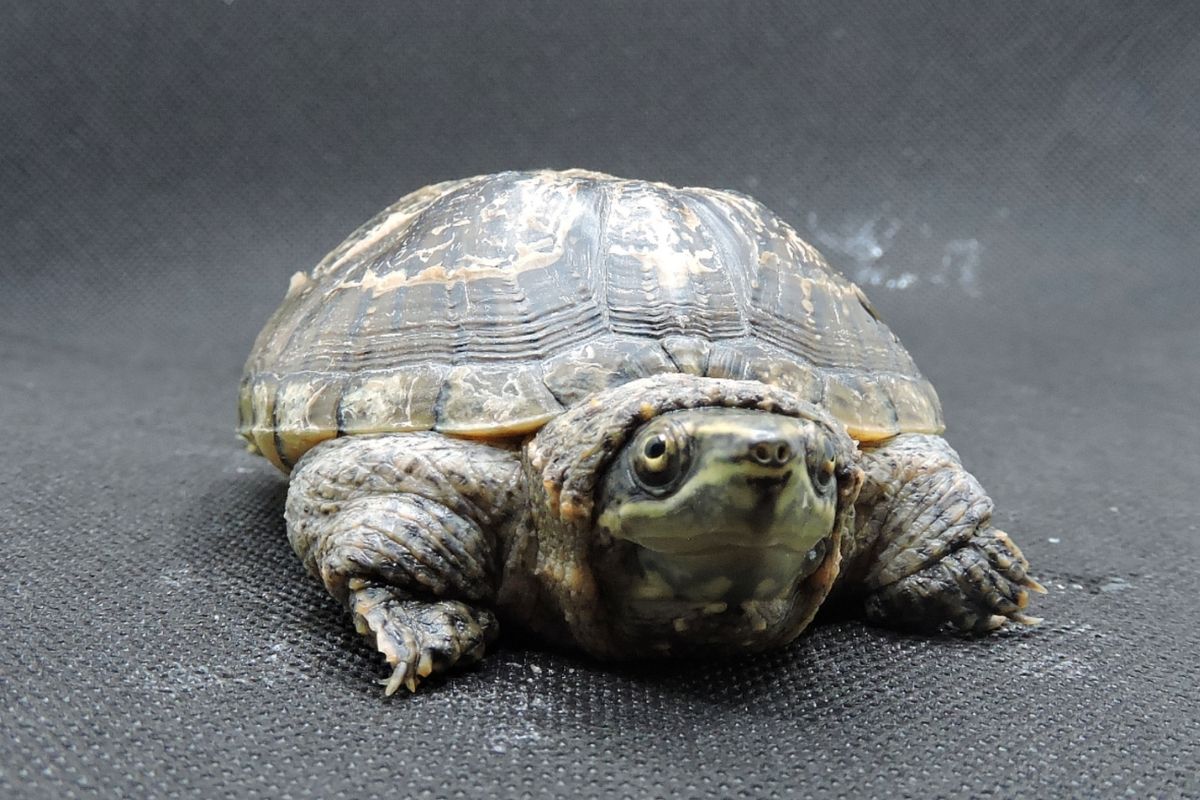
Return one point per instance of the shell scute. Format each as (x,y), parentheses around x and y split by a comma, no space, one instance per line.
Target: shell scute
(608,361)
(384,400)
(494,401)
(757,361)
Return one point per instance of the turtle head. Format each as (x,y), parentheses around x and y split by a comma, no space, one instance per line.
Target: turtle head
(678,514)
(719,526)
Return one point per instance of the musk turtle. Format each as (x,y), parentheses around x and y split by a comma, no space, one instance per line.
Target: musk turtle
(626,417)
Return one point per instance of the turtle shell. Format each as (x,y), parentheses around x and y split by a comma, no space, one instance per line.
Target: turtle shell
(483,307)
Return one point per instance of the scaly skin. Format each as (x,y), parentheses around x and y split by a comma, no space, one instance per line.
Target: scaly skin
(428,539)
(924,551)
(407,531)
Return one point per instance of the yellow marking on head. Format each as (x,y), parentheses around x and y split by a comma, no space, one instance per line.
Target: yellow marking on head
(765,587)
(653,587)
(717,587)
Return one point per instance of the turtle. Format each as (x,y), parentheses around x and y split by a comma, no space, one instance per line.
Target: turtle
(622,417)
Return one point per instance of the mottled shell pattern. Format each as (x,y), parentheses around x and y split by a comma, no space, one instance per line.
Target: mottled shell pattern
(483,307)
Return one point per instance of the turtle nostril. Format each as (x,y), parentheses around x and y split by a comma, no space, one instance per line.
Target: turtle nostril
(771,454)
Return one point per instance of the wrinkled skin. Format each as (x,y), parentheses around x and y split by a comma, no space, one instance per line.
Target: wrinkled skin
(676,515)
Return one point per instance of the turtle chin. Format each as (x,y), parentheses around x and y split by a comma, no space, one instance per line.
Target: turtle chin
(717,531)
(723,575)
(732,600)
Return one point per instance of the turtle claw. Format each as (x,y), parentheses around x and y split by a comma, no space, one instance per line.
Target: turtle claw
(994,622)
(997,621)
(401,676)
(397,679)
(420,638)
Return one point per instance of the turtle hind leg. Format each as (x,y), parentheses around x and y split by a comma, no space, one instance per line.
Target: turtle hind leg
(924,548)
(400,529)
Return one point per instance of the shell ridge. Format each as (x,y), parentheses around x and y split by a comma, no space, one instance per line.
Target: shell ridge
(734,273)
(604,255)
(737,268)
(314,317)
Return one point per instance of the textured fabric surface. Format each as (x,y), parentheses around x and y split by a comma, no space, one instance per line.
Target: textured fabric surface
(1017,187)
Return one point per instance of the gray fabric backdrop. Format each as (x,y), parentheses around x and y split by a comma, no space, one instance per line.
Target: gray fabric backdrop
(1017,187)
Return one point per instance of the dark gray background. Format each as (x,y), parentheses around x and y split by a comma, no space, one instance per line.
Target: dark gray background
(1017,186)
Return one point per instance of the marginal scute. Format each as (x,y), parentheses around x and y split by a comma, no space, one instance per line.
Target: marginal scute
(690,353)
(391,400)
(261,429)
(305,414)
(867,413)
(246,411)
(876,406)
(753,361)
(918,409)
(495,401)
(609,361)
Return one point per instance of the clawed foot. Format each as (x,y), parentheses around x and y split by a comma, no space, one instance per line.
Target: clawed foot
(419,638)
(976,588)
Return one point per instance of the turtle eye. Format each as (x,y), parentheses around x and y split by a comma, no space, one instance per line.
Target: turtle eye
(822,461)
(657,460)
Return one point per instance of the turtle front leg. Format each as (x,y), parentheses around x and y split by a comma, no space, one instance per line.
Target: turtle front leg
(402,528)
(924,548)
